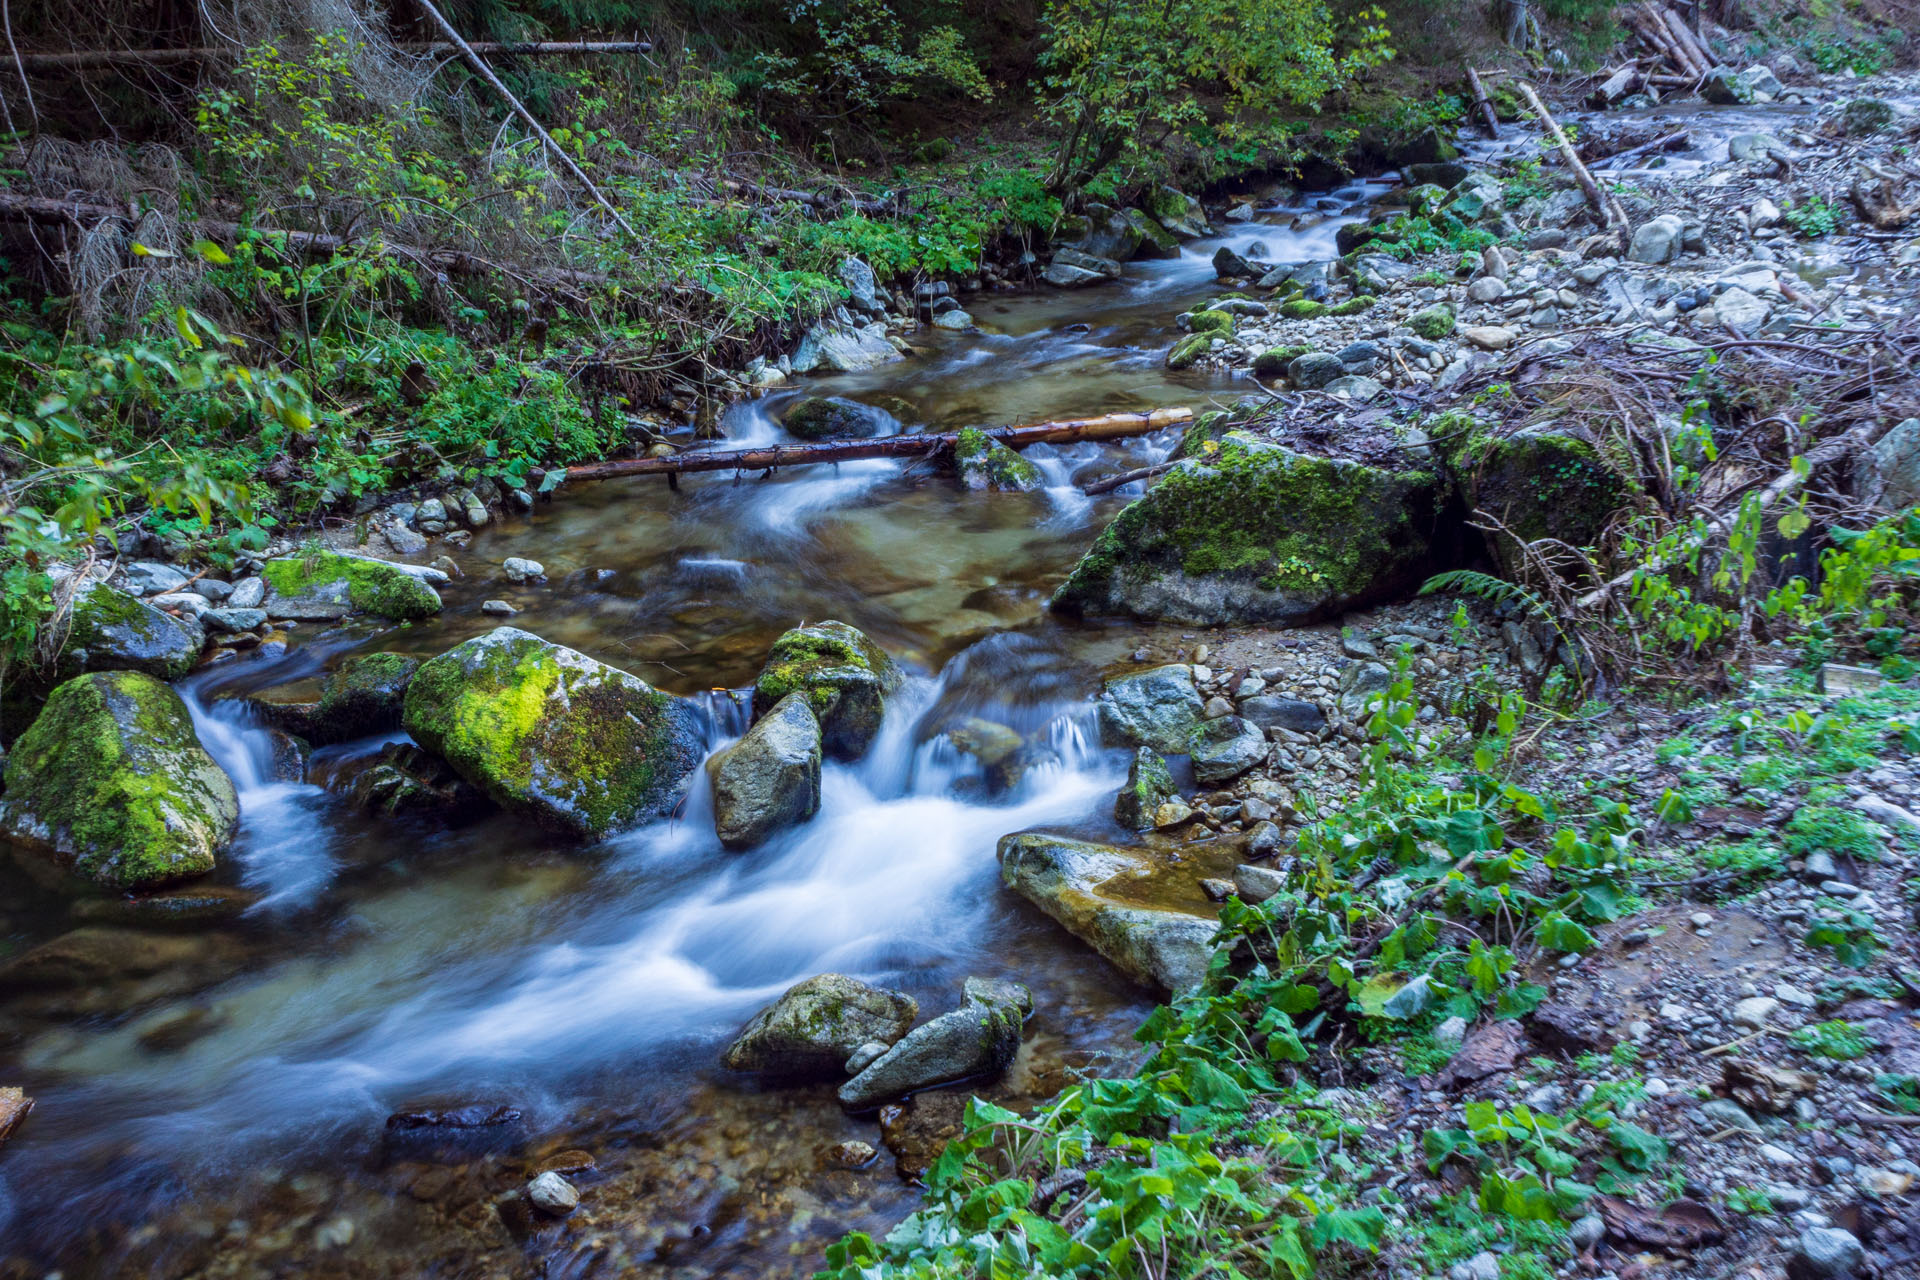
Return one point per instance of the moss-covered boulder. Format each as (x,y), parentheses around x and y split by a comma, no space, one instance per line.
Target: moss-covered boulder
(1434,323)
(363,695)
(1273,362)
(1178,212)
(1257,533)
(835,418)
(322,586)
(1142,910)
(846,679)
(1155,240)
(985,463)
(1149,785)
(113,631)
(545,731)
(815,1026)
(1539,483)
(111,784)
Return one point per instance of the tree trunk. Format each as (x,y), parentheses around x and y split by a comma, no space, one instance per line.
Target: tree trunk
(1113,426)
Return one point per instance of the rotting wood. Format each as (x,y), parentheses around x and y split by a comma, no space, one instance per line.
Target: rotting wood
(47,210)
(1696,45)
(1126,478)
(104,59)
(1484,103)
(1113,426)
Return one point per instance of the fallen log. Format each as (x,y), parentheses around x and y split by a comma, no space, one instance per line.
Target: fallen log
(103,59)
(1678,140)
(1695,43)
(1113,426)
(1609,212)
(47,210)
(1484,103)
(1616,86)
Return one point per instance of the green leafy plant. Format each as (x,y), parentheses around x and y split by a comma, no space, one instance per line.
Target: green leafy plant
(1835,1039)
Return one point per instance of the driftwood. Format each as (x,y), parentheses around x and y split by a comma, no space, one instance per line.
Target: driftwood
(1126,478)
(558,152)
(1626,80)
(1484,103)
(1608,210)
(1113,426)
(1655,34)
(1678,140)
(49,211)
(102,59)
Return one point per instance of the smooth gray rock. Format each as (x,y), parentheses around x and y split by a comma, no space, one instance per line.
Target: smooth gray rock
(1096,892)
(520,569)
(1825,1253)
(770,779)
(979,1038)
(1257,884)
(248,593)
(861,284)
(553,1195)
(150,577)
(1359,682)
(1226,748)
(1890,474)
(1157,708)
(1657,240)
(110,630)
(817,1025)
(1270,711)
(231,620)
(838,348)
(1314,370)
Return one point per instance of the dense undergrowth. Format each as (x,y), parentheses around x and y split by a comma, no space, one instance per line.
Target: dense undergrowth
(1446,887)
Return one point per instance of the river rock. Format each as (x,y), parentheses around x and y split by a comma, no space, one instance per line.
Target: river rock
(1156,242)
(553,1195)
(1314,370)
(1104,232)
(816,1026)
(1178,212)
(1226,748)
(151,578)
(863,288)
(1657,240)
(979,1038)
(1293,714)
(845,677)
(1157,708)
(111,783)
(1004,756)
(1539,483)
(1825,1253)
(1889,473)
(1739,310)
(323,587)
(1149,785)
(1141,912)
(363,695)
(1760,79)
(401,780)
(985,463)
(834,417)
(1725,87)
(770,779)
(1228,265)
(185,907)
(839,348)
(1258,533)
(113,631)
(548,732)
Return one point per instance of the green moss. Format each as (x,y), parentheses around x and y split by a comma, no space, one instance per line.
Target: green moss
(1273,362)
(844,677)
(364,695)
(986,463)
(1433,324)
(112,781)
(1288,522)
(1220,322)
(542,729)
(1352,306)
(1189,350)
(372,586)
(1302,309)
(115,631)
(1539,484)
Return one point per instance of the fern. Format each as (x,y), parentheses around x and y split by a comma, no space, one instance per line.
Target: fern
(1484,586)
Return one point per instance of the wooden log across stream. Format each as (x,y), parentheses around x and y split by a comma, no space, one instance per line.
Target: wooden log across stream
(1113,426)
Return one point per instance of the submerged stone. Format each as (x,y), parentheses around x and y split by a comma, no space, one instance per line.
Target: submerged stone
(111,783)
(546,731)
(834,417)
(770,779)
(363,695)
(1144,914)
(322,586)
(817,1025)
(845,678)
(1258,533)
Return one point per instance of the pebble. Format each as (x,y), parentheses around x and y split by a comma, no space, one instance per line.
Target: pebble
(518,569)
(553,1195)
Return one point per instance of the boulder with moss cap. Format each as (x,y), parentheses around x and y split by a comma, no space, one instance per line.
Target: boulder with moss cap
(845,677)
(110,630)
(322,586)
(1258,533)
(363,695)
(545,731)
(985,463)
(1538,483)
(111,784)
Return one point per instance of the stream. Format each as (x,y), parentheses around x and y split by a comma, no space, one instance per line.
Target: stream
(236,1123)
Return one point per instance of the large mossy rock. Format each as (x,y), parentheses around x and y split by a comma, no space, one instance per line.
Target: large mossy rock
(845,677)
(113,631)
(111,783)
(322,586)
(980,1038)
(985,463)
(546,731)
(816,1025)
(363,695)
(1140,910)
(1539,484)
(1257,533)
(770,779)
(836,418)
(1178,212)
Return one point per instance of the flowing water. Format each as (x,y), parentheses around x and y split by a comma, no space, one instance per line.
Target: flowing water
(224,1109)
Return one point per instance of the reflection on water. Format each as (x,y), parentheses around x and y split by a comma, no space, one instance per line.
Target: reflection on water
(242,1085)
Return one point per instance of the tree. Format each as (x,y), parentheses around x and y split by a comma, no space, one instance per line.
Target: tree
(1127,75)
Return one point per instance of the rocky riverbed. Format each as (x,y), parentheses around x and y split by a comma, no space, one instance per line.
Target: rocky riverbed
(666,928)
